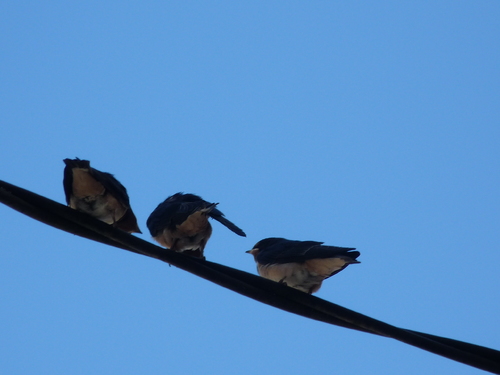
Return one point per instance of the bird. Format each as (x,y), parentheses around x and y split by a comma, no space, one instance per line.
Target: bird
(98,194)
(180,223)
(302,265)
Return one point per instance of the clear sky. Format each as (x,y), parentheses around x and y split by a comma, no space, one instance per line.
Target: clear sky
(360,124)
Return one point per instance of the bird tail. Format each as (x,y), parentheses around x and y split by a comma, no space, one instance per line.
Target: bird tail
(353,255)
(349,258)
(215,214)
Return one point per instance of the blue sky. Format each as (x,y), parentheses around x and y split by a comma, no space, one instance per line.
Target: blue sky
(375,126)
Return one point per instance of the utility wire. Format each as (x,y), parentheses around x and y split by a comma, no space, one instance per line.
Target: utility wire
(258,288)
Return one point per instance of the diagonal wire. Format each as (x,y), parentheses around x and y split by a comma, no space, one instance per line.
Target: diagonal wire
(260,289)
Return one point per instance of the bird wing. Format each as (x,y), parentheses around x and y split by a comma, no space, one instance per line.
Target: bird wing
(173,211)
(68,183)
(112,186)
(287,251)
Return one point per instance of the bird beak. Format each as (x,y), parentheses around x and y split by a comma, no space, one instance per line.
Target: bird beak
(252,251)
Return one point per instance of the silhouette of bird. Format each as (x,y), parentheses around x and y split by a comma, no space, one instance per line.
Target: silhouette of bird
(98,194)
(180,223)
(302,265)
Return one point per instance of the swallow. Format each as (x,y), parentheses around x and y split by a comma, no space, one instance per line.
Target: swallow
(98,194)
(180,223)
(302,265)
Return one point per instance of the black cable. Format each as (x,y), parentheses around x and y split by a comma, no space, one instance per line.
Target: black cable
(260,289)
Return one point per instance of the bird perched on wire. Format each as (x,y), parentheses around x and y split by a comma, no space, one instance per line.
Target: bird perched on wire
(302,265)
(98,194)
(181,224)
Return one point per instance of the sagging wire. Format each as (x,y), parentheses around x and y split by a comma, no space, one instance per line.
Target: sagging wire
(244,283)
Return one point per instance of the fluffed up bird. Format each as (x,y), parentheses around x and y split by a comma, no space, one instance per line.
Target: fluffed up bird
(98,194)
(181,224)
(302,265)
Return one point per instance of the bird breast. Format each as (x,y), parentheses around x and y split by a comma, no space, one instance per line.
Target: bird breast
(91,197)
(306,276)
(84,185)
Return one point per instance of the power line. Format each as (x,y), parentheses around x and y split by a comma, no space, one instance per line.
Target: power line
(258,288)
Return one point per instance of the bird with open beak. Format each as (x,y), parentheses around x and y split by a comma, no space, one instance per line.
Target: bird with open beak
(302,265)
(180,223)
(98,194)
